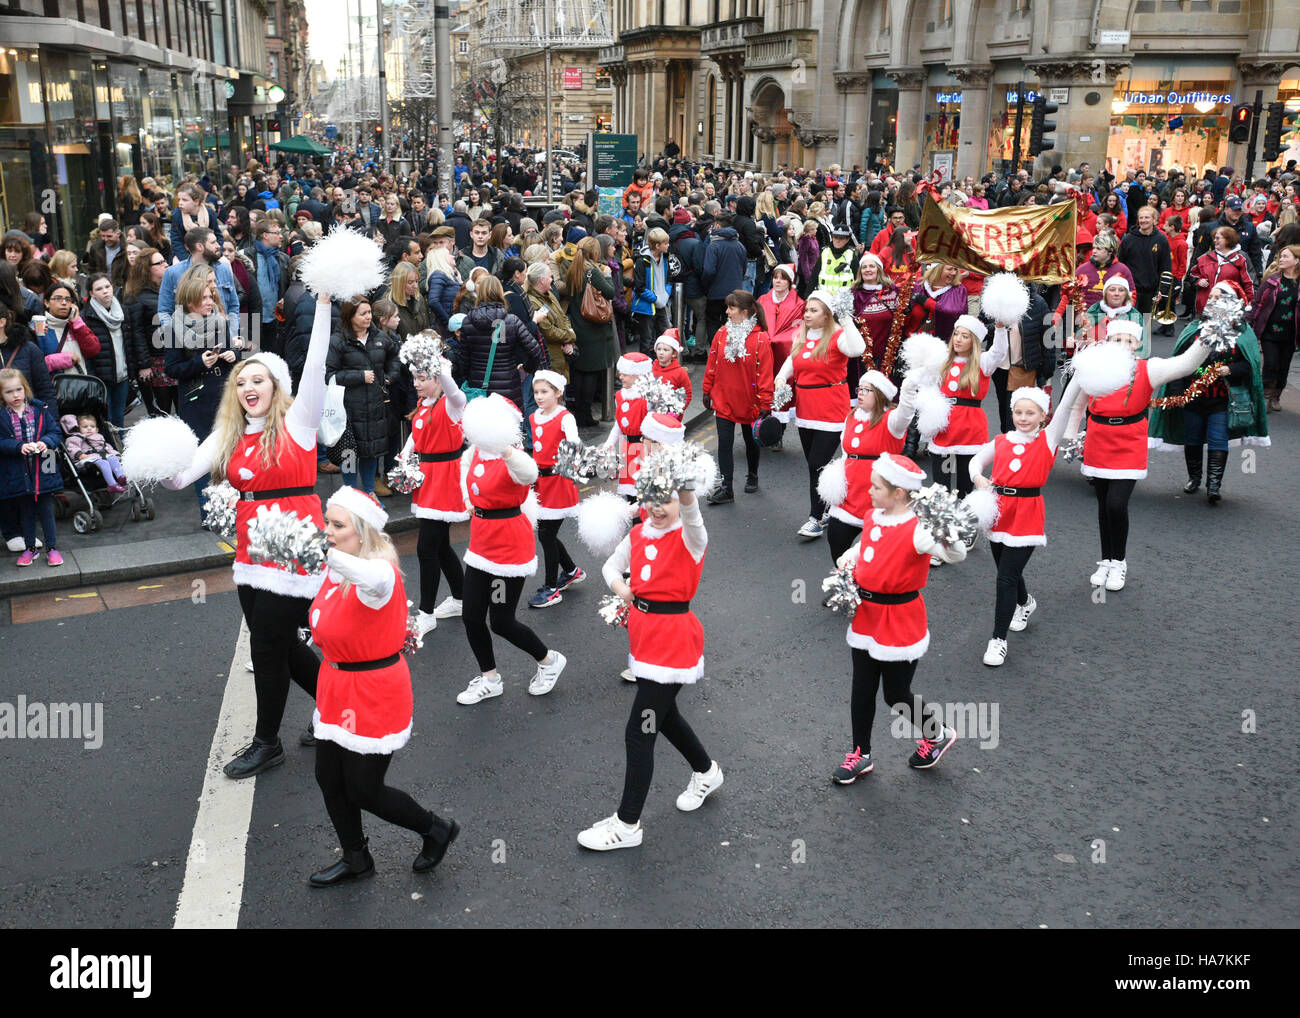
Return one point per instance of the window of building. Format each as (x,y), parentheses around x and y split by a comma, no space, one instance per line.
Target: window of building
(602,78)
(463,47)
(271,20)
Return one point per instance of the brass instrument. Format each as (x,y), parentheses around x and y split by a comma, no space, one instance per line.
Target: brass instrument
(1164,305)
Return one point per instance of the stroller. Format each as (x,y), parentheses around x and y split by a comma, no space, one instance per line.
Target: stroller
(85,394)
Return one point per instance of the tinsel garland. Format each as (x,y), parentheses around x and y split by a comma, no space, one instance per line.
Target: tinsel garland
(580,462)
(939,510)
(660,397)
(285,539)
(737,338)
(406,476)
(423,354)
(1206,377)
(613,610)
(783,396)
(219,504)
(1221,323)
(414,641)
(842,591)
(900,319)
(664,472)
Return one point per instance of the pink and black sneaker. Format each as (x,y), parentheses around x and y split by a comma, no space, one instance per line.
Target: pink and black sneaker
(855,765)
(928,751)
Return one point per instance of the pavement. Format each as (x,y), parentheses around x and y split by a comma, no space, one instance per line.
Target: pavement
(1136,769)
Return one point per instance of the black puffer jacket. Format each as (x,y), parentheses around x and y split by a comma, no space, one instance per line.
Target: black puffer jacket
(300,314)
(751,234)
(104,364)
(365,402)
(517,347)
(1038,356)
(141,311)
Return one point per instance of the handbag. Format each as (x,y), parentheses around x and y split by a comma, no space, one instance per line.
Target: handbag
(769,256)
(1241,408)
(347,443)
(1018,378)
(595,305)
(472,393)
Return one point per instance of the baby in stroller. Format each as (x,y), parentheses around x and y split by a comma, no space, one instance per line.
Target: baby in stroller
(85,444)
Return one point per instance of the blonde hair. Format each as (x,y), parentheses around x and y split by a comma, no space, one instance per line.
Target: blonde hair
(194,285)
(933,271)
(656,236)
(439,260)
(765,204)
(970,374)
(374,544)
(231,421)
(8,375)
(398,281)
(63,265)
(828,333)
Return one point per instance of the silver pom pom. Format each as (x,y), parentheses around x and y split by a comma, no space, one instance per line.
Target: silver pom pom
(841,304)
(659,396)
(1222,322)
(613,610)
(414,641)
(284,539)
(668,470)
(423,354)
(783,396)
(606,462)
(842,591)
(1071,449)
(580,463)
(941,512)
(219,502)
(406,476)
(737,338)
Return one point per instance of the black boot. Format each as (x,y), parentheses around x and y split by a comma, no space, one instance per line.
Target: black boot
(1192,453)
(1216,464)
(436,843)
(722,496)
(751,484)
(308,736)
(912,441)
(255,758)
(354,864)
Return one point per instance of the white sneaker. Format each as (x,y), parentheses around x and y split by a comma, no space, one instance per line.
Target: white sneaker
(478,689)
(626,675)
(16,544)
(248,666)
(449,609)
(1117,575)
(936,562)
(996,653)
(544,681)
(610,833)
(1020,618)
(426,622)
(1103,570)
(701,786)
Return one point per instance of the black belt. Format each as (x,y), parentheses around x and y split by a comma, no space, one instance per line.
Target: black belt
(546,471)
(1117,421)
(875,597)
(661,607)
(819,385)
(632,438)
(963,401)
(859,456)
(1003,489)
(497,514)
(441,457)
(366,666)
(269,493)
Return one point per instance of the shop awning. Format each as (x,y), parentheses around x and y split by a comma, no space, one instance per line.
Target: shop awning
(301,144)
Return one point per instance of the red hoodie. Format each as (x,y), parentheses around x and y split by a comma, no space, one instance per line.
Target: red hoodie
(676,376)
(742,389)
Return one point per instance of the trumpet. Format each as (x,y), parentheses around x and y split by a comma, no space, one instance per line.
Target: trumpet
(1164,306)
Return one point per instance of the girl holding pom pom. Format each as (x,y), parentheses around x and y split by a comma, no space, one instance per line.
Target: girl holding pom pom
(557,496)
(738,387)
(889,633)
(629,411)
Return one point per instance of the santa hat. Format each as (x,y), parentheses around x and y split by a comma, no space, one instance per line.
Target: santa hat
(900,471)
(977,328)
(1115,279)
(663,428)
(1229,287)
(1123,327)
(788,269)
(1034,394)
(874,260)
(359,504)
(670,339)
(878,381)
(275,364)
(552,378)
(634,364)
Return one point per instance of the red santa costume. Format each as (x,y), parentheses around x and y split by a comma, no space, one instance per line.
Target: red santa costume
(439,440)
(500,533)
(674,374)
(557,496)
(863,442)
(629,411)
(967,428)
(783,317)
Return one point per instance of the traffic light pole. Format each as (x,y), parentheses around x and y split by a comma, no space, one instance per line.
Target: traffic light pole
(1254,135)
(1020,119)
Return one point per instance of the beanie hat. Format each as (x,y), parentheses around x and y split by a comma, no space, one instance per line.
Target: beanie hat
(361,505)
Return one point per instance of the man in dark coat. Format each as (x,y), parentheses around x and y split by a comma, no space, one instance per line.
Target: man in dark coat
(722,271)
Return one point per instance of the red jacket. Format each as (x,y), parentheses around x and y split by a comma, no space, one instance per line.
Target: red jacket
(1215,269)
(741,390)
(1178,256)
(676,376)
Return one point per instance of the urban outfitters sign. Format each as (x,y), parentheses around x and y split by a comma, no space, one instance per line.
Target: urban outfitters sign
(1175,98)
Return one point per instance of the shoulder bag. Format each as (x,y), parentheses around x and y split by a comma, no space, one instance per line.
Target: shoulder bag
(596,307)
(472,393)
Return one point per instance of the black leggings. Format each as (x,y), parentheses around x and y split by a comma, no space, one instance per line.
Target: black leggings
(1011,561)
(437,558)
(1277,363)
(278,654)
(654,710)
(554,554)
(840,536)
(818,448)
(1112,514)
(1000,378)
(726,453)
(868,675)
(953,470)
(495,598)
(352,782)
(586,386)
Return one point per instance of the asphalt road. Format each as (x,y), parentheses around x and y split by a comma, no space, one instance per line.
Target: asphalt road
(1119,722)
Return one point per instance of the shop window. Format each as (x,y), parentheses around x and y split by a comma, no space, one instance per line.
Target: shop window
(1171,6)
(1229,6)
(1145,7)
(603,82)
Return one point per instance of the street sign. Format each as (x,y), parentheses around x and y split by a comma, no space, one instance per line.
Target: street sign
(1113,37)
(613,159)
(1060,96)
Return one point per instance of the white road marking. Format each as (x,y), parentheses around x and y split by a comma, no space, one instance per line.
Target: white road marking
(214,871)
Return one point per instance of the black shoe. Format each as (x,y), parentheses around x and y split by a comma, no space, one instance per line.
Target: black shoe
(722,496)
(1192,454)
(256,757)
(751,484)
(353,865)
(308,736)
(1216,464)
(436,843)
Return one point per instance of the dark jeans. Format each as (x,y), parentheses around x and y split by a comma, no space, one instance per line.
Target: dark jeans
(1206,429)
(434,551)
(896,676)
(953,470)
(648,328)
(1011,561)
(351,782)
(28,510)
(493,599)
(1277,363)
(117,395)
(279,656)
(654,710)
(840,536)
(164,398)
(554,554)
(9,525)
(1112,514)
(819,449)
(726,456)
(364,478)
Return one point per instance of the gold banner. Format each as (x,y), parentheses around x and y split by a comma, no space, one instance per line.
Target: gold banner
(1036,242)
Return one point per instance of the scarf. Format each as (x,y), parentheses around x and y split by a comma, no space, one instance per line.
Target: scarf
(201,219)
(737,338)
(110,316)
(1111,312)
(1227,256)
(270,257)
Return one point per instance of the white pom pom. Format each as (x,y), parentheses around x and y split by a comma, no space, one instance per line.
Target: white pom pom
(492,424)
(833,483)
(932,411)
(1101,368)
(706,474)
(923,354)
(983,502)
(603,521)
(529,508)
(343,264)
(1005,298)
(158,448)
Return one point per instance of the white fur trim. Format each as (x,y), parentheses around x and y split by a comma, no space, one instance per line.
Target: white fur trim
(1116,279)
(627,366)
(1034,393)
(422,513)
(883,519)
(978,329)
(499,569)
(1112,475)
(959,450)
(658,432)
(275,364)
(1018,540)
(360,743)
(667,676)
(800,422)
(552,378)
(358,503)
(568,512)
(844,517)
(878,381)
(896,473)
(880,652)
(1123,327)
(868,257)
(277,581)
(669,342)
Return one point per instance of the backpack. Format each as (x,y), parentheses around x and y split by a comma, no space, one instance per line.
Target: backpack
(472,393)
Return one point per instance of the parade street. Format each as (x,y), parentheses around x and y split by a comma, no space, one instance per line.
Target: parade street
(1132,764)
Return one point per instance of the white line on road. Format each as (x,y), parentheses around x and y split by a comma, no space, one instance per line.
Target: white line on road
(214,871)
